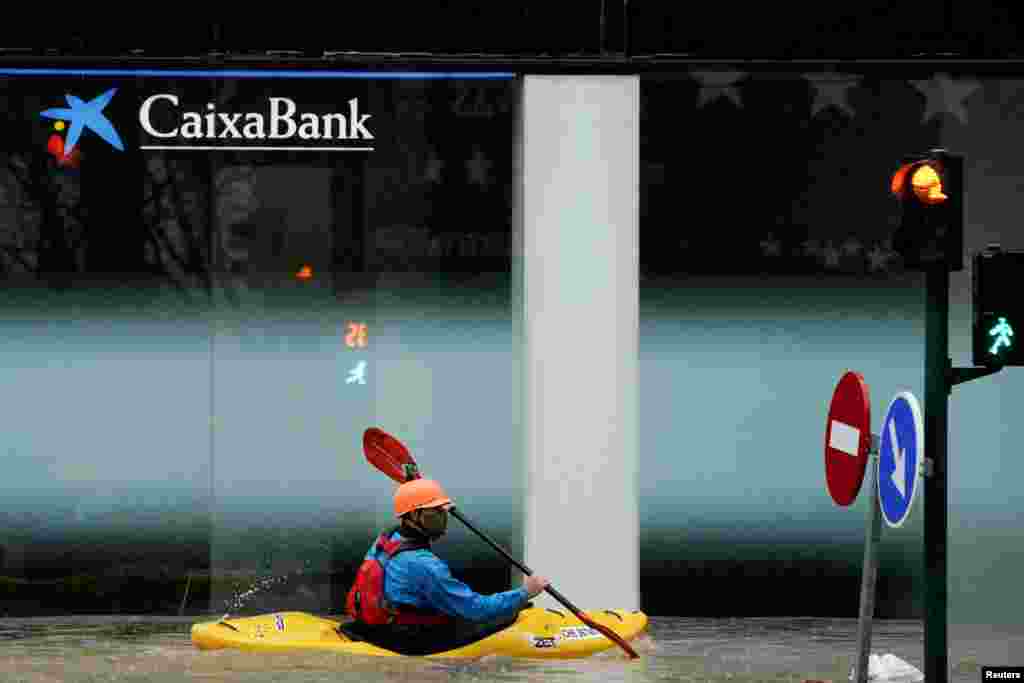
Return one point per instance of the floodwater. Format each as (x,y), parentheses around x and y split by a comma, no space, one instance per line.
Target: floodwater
(158,649)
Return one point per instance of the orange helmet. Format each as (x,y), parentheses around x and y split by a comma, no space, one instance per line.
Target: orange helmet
(419,493)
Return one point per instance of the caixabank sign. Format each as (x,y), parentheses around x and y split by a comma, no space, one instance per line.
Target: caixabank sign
(279,121)
(168,121)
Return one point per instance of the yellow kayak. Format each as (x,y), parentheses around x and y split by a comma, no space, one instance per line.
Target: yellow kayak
(536,634)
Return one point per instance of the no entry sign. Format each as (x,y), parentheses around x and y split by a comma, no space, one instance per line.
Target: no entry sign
(847,438)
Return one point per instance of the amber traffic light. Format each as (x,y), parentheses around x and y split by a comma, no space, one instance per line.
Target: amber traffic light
(929,189)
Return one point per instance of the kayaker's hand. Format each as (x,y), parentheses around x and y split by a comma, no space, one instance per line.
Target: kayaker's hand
(535,585)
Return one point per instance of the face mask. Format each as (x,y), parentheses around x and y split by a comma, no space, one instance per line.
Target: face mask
(434,522)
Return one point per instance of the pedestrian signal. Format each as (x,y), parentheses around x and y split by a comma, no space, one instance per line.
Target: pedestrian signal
(998,308)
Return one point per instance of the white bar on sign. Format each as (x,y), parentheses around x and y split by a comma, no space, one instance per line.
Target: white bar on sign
(844,438)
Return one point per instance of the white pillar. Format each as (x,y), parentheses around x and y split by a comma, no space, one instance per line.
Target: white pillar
(580,279)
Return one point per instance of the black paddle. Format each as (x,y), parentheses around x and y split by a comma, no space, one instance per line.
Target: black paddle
(391,457)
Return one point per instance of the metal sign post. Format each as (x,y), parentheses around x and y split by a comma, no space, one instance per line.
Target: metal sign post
(872,538)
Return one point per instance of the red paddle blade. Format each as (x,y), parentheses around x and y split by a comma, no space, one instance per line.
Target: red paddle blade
(610,635)
(389,455)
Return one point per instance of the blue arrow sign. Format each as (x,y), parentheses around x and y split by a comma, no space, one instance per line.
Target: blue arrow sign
(901,452)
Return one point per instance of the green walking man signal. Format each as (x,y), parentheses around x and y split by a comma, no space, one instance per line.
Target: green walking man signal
(1002,332)
(998,307)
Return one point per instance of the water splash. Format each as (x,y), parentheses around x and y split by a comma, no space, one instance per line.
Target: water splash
(238,598)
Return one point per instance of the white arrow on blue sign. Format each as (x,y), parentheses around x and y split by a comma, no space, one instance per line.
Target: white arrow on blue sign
(900,455)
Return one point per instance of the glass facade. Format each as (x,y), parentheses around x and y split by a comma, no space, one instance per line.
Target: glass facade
(212,286)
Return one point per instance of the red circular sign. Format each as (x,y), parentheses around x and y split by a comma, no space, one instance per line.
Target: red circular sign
(847,438)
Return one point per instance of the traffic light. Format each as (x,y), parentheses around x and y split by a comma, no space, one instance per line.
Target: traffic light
(998,308)
(930,191)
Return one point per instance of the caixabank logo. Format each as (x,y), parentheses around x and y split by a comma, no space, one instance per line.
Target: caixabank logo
(278,124)
(71,122)
(168,125)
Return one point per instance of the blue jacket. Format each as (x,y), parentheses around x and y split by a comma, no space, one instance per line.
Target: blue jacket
(421,579)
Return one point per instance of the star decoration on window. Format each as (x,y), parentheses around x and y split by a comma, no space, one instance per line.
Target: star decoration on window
(432,169)
(771,246)
(831,255)
(832,90)
(478,167)
(852,247)
(946,96)
(718,84)
(878,258)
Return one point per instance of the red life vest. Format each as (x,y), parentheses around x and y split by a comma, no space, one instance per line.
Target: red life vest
(366,602)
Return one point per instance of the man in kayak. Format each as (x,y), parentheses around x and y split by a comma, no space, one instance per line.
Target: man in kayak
(405,598)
